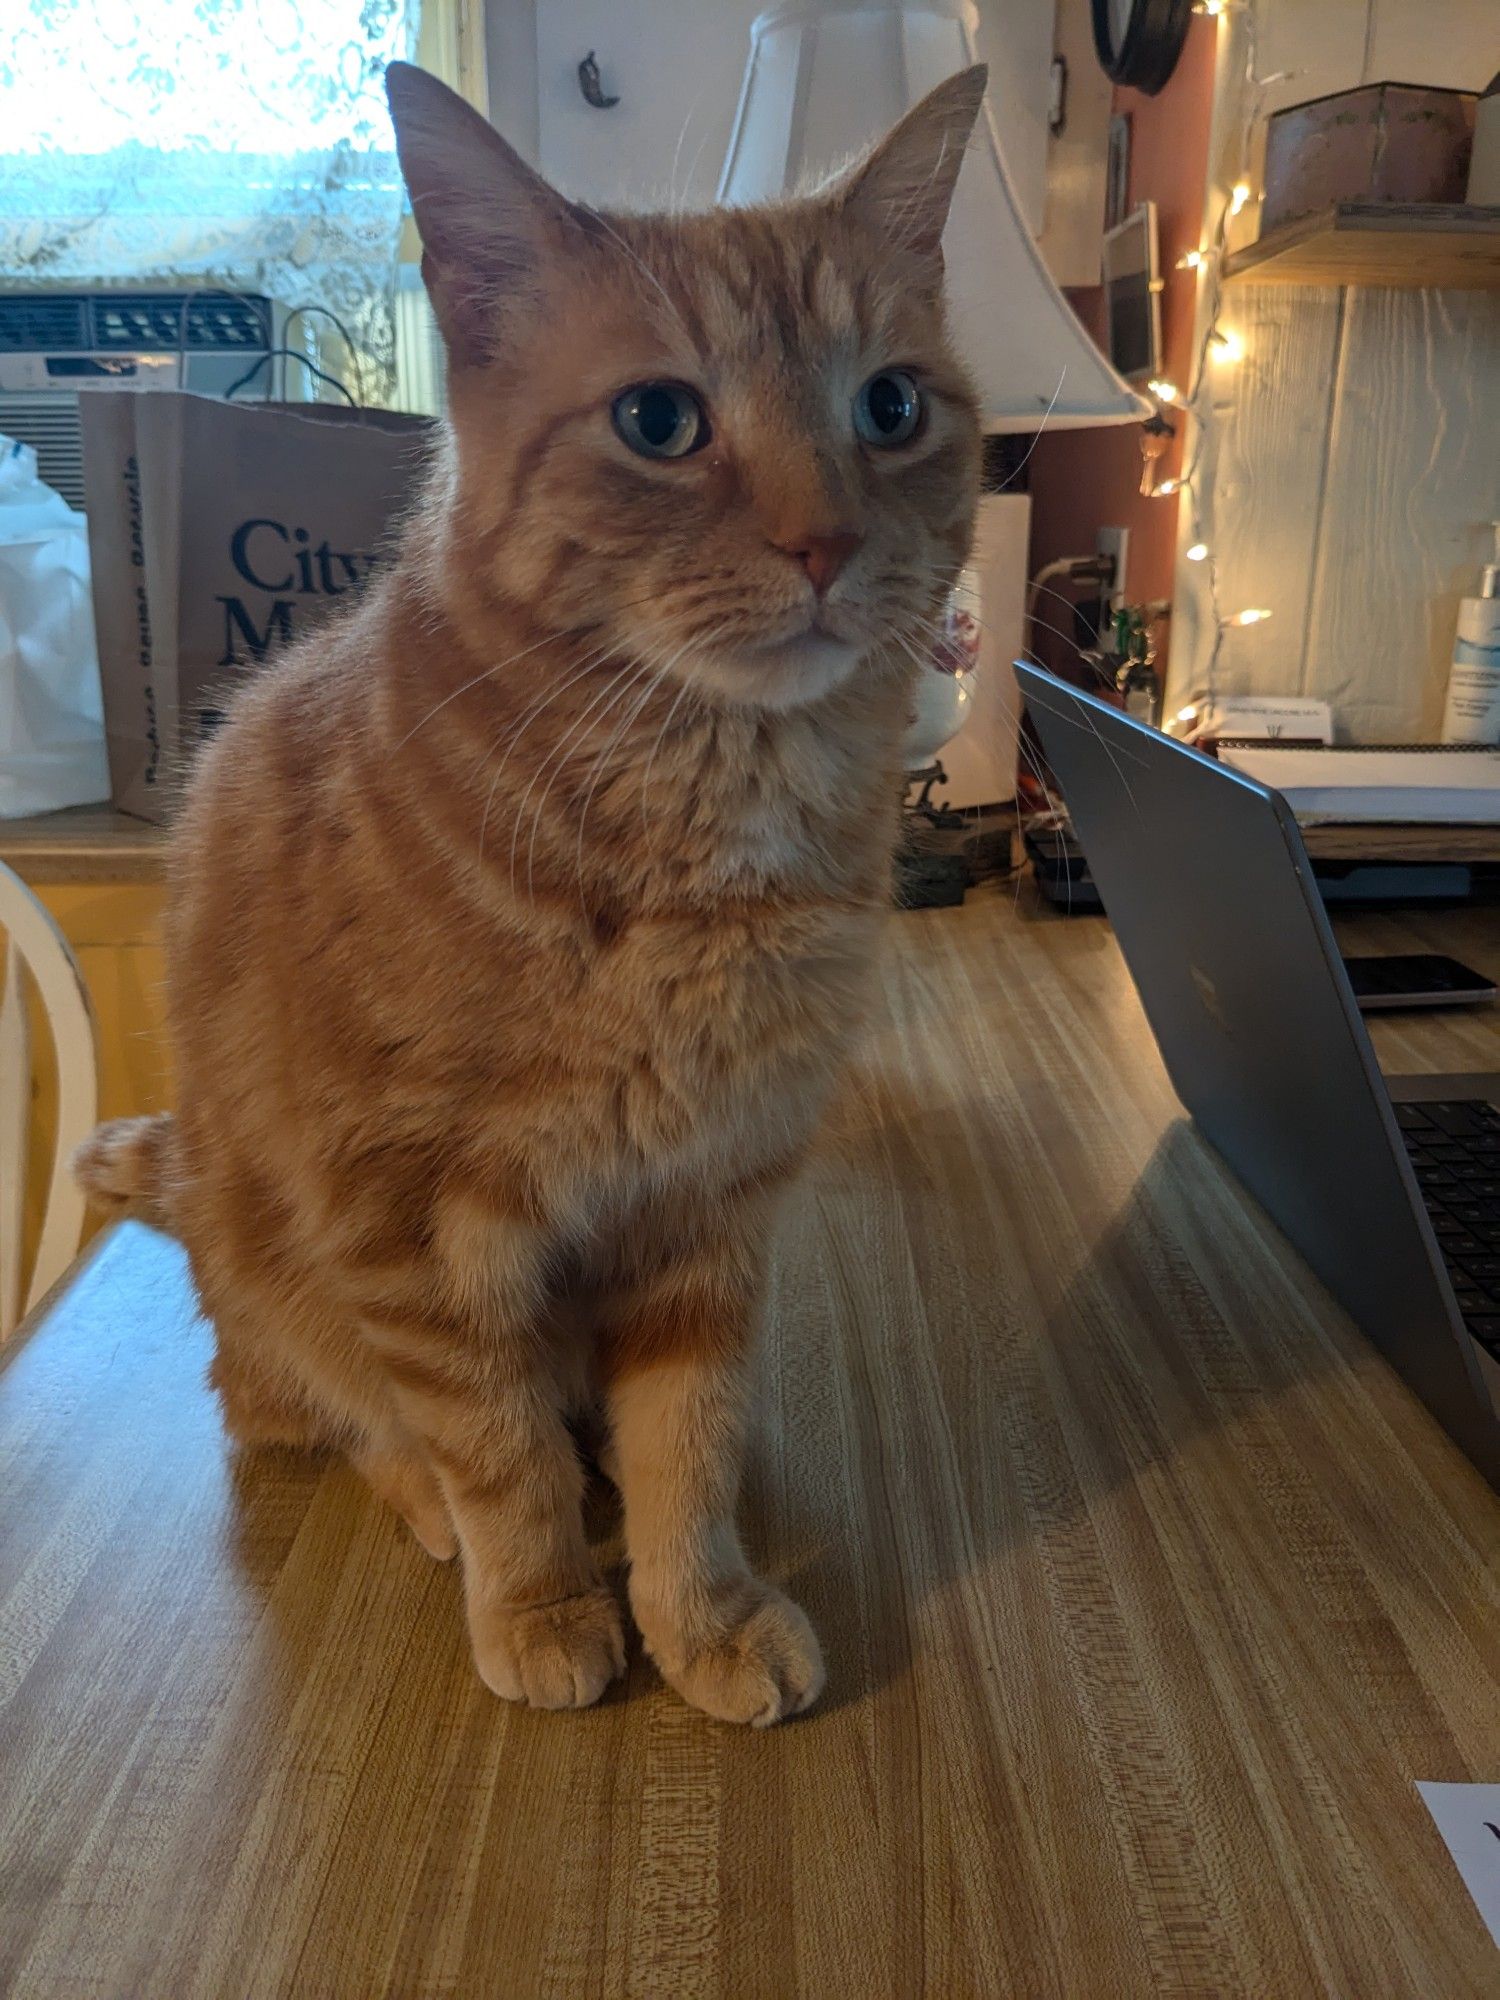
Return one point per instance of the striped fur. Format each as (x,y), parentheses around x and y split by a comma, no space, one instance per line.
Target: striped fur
(520,921)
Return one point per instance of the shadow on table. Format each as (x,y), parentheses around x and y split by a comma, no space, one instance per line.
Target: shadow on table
(1011,1344)
(962,1359)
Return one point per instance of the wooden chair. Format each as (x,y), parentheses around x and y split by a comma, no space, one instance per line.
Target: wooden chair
(34,953)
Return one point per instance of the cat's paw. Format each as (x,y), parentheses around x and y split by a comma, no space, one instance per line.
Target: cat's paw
(764,1665)
(560,1655)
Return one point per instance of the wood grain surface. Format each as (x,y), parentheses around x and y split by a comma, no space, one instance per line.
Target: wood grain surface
(1147,1592)
(1377,243)
(84,843)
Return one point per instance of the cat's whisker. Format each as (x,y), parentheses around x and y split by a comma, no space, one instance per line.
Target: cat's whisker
(599,707)
(1093,664)
(903,637)
(662,670)
(619,700)
(1099,671)
(935,632)
(1017,470)
(557,750)
(677,199)
(1096,668)
(545,699)
(1039,771)
(589,663)
(559,638)
(488,674)
(693,169)
(683,690)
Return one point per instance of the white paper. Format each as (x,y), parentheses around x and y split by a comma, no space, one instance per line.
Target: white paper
(1444,784)
(1270,716)
(1468,1818)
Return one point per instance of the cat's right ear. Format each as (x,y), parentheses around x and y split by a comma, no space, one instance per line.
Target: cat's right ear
(488,222)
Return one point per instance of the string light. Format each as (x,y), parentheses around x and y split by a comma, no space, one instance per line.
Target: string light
(1219,344)
(1166,488)
(1164,392)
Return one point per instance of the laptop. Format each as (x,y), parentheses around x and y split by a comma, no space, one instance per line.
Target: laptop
(1388,1186)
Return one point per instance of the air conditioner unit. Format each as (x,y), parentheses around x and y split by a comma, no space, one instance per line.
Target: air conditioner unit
(58,345)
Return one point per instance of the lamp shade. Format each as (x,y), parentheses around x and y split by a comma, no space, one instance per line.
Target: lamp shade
(822,84)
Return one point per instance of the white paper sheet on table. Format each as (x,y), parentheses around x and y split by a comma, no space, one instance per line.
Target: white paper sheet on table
(1468,1818)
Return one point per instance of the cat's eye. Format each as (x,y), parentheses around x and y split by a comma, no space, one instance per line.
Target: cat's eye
(888,408)
(661,420)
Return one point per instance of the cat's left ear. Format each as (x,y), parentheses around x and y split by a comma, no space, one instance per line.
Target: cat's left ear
(903,190)
(489,223)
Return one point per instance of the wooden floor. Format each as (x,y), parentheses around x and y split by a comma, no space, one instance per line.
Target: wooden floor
(1146,1589)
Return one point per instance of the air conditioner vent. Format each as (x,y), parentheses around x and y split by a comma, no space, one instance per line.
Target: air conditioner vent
(31,322)
(50,425)
(163,322)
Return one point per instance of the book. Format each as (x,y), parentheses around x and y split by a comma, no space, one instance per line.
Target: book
(1450,784)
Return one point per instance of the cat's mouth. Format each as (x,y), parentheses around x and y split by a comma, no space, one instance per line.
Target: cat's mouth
(785,670)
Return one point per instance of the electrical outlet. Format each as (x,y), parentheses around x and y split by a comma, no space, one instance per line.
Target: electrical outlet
(1114,543)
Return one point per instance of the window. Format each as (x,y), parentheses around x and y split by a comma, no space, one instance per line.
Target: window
(243,142)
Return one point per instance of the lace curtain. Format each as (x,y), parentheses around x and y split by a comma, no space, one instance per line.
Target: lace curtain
(243,143)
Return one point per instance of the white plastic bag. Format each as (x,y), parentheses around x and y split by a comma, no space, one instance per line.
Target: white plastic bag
(51,718)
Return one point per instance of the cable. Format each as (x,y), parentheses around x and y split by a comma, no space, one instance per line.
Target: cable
(292,355)
(352,351)
(1096,569)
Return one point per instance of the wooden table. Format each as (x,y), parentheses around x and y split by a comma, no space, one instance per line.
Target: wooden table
(1147,1591)
(84,843)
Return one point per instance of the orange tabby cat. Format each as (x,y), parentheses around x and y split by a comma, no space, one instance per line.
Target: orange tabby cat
(520,921)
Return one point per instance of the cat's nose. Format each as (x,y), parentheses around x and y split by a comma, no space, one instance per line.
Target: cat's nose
(822,556)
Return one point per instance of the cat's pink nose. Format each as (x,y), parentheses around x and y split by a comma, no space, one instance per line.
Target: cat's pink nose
(822,556)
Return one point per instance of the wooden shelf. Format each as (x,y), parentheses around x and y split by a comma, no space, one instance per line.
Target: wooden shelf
(84,843)
(1368,840)
(1452,244)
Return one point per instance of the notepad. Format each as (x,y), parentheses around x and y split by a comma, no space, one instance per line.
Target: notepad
(1451,784)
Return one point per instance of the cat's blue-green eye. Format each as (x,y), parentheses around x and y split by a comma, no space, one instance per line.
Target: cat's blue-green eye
(888,408)
(661,420)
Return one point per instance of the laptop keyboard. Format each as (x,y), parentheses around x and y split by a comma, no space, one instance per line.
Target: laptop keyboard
(1455,1151)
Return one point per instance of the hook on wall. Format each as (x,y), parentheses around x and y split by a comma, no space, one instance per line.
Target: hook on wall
(591,84)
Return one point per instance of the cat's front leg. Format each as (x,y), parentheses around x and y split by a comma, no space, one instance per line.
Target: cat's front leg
(676,1348)
(474,1385)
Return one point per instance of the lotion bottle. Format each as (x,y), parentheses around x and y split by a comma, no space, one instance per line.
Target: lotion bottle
(1472,714)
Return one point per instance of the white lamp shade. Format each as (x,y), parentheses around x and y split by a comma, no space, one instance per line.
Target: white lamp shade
(822,84)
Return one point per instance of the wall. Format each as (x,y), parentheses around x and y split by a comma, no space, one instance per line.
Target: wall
(1084,480)
(677,65)
(1353,466)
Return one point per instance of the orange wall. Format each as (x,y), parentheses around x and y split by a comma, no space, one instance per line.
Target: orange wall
(1084,480)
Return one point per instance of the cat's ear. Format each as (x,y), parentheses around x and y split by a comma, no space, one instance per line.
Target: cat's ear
(903,190)
(488,222)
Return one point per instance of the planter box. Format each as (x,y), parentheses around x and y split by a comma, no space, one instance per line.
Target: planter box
(1383,142)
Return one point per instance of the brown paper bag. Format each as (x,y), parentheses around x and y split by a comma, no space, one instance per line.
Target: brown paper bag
(218,533)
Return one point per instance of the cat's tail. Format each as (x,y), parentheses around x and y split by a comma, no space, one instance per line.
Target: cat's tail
(128,1164)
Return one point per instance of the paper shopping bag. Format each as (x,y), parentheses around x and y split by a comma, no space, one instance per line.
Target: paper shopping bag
(221,532)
